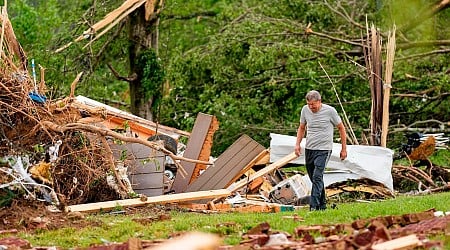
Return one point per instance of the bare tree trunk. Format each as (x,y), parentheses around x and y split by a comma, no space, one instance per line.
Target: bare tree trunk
(373,59)
(143,35)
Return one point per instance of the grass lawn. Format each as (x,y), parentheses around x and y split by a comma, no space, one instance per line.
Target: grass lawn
(231,226)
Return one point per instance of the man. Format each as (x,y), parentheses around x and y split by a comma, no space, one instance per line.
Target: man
(318,120)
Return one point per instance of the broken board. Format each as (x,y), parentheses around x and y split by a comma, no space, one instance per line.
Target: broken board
(278,164)
(163,199)
(228,165)
(193,149)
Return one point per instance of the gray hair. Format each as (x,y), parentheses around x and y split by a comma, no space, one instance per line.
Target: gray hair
(313,95)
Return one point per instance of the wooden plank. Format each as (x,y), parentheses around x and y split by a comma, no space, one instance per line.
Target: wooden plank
(203,206)
(264,160)
(228,164)
(234,165)
(259,182)
(150,165)
(134,151)
(216,169)
(205,153)
(108,205)
(258,158)
(242,208)
(275,206)
(278,164)
(406,242)
(140,151)
(193,149)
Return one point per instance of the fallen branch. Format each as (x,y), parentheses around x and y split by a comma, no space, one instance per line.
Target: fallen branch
(417,173)
(107,132)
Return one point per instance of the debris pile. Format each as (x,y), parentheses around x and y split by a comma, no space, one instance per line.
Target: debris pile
(62,161)
(75,151)
(52,149)
(85,157)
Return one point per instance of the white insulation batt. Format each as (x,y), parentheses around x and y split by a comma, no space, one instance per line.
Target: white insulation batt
(371,162)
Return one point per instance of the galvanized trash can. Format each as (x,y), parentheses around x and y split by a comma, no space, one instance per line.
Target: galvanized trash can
(145,167)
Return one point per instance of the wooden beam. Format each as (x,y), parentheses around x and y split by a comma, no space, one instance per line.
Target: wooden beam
(170,198)
(264,160)
(260,182)
(278,164)
(275,207)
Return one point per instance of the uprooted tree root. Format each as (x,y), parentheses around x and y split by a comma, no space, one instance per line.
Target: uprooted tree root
(81,166)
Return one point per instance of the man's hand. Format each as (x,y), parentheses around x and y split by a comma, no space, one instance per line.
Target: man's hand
(298,150)
(343,154)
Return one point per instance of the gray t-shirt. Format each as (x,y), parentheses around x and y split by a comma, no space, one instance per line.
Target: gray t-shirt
(320,126)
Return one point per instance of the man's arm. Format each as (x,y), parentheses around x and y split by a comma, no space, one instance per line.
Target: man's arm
(300,134)
(343,136)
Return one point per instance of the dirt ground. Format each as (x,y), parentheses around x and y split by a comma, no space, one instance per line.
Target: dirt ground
(26,215)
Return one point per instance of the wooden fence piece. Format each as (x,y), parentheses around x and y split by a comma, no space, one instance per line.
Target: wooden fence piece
(205,152)
(108,205)
(228,165)
(249,166)
(193,149)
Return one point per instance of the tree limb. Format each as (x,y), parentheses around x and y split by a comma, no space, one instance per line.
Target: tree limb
(410,45)
(106,132)
(343,13)
(442,51)
(132,78)
(424,96)
(110,158)
(190,16)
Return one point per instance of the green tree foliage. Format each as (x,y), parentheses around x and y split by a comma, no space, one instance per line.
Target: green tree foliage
(251,62)
(149,66)
(44,26)
(254,71)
